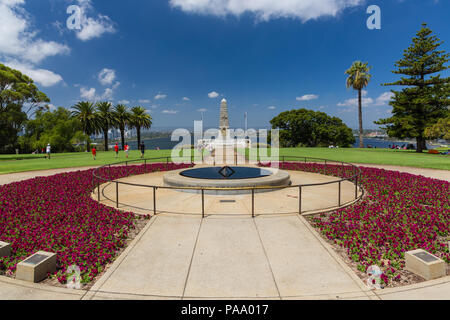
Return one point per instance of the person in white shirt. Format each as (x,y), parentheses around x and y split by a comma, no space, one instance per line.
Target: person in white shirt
(49,149)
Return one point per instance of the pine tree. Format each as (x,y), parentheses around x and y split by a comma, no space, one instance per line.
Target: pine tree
(425,98)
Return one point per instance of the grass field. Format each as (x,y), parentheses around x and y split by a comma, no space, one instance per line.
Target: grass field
(8,164)
(71,160)
(372,156)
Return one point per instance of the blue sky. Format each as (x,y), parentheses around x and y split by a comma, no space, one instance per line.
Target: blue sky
(176,57)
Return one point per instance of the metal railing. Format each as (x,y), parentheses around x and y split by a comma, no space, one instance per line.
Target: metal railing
(355,178)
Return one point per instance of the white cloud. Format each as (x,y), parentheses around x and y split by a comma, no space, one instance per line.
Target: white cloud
(202,110)
(170,111)
(271,108)
(107,76)
(52,107)
(46,78)
(354,102)
(186,99)
(213,95)
(144,101)
(21,49)
(265,10)
(91,94)
(124,102)
(88,94)
(93,27)
(17,37)
(307,97)
(160,96)
(384,99)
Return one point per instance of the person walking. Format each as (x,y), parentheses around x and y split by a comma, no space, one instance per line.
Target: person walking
(126,149)
(142,149)
(116,149)
(94,152)
(49,149)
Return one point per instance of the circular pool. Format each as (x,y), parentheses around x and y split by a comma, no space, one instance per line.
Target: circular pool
(222,178)
(226,173)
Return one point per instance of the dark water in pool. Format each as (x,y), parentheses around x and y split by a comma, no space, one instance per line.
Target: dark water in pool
(234,173)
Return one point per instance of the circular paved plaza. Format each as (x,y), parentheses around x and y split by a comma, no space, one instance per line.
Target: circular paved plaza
(229,254)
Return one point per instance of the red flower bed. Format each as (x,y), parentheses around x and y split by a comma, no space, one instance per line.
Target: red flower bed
(400,212)
(57,214)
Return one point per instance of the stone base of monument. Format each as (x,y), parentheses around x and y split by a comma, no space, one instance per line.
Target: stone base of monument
(5,249)
(36,267)
(425,264)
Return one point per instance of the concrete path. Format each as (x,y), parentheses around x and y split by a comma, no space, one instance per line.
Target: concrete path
(269,257)
(223,257)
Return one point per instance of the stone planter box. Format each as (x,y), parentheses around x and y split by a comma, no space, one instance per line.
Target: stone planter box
(425,264)
(36,267)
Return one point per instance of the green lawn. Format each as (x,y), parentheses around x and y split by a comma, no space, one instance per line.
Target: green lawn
(368,156)
(8,164)
(372,156)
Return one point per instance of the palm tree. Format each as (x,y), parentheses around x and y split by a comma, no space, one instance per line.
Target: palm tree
(85,112)
(358,79)
(140,119)
(121,119)
(105,119)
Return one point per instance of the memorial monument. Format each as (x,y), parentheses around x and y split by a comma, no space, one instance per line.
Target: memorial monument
(224,138)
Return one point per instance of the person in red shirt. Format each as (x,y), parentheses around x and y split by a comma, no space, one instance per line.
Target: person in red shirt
(127,149)
(94,152)
(116,149)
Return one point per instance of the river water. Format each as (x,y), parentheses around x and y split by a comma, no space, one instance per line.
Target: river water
(167,144)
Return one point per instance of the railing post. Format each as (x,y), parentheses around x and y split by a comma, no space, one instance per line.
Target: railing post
(300,200)
(117,195)
(154,201)
(98,189)
(356,187)
(253,203)
(339,202)
(203,203)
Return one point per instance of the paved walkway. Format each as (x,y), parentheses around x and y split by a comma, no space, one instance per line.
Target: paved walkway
(269,257)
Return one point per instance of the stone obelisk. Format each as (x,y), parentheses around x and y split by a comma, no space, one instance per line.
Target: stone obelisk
(224,121)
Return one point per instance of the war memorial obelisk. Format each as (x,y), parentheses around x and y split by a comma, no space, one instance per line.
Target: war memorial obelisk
(224,120)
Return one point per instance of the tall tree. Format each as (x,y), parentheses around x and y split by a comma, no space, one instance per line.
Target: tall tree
(121,119)
(85,112)
(105,119)
(140,119)
(308,128)
(55,127)
(425,97)
(358,79)
(440,130)
(16,91)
